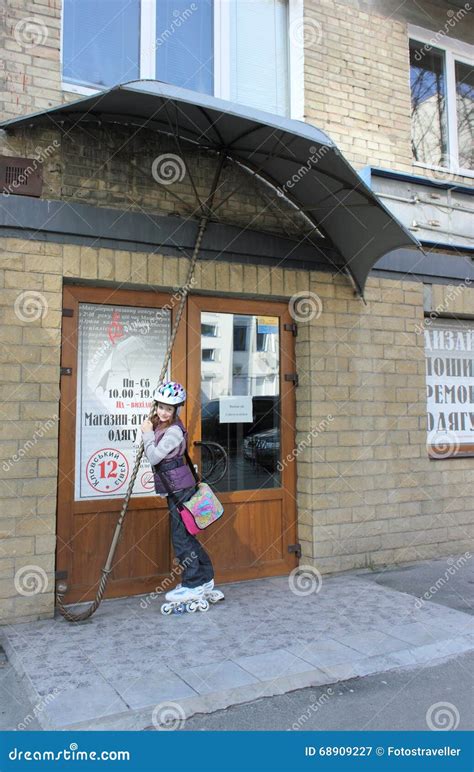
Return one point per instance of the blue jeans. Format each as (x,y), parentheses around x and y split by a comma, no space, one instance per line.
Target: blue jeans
(195,563)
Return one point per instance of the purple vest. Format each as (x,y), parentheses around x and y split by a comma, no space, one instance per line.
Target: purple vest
(181,476)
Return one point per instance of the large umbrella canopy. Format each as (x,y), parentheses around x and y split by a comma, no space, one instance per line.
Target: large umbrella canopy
(299,160)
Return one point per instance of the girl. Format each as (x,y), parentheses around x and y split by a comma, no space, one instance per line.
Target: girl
(165,440)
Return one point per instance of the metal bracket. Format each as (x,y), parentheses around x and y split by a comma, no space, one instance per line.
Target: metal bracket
(60,574)
(66,371)
(293,377)
(68,312)
(296,548)
(292,327)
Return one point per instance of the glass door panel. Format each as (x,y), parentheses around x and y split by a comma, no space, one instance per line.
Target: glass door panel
(240,397)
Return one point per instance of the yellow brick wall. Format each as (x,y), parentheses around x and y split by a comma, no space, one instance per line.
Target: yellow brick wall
(367,495)
(373,496)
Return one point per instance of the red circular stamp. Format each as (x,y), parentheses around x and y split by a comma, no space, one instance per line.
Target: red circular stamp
(107,470)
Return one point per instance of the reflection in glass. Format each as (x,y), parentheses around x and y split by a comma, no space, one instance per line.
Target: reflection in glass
(465,114)
(100,41)
(428,105)
(184,44)
(240,396)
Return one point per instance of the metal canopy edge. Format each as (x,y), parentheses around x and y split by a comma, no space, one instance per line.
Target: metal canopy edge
(298,160)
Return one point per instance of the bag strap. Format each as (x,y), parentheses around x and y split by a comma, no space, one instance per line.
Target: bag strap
(191,465)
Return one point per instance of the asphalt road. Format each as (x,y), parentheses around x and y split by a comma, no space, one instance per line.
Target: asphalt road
(393,701)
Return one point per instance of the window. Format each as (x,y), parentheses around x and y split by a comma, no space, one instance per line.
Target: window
(209,330)
(240,338)
(258,54)
(208,355)
(100,42)
(442,96)
(232,49)
(184,49)
(449,348)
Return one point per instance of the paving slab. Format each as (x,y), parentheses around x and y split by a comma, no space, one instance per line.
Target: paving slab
(117,669)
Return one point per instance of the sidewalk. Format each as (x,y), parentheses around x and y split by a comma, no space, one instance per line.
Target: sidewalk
(117,669)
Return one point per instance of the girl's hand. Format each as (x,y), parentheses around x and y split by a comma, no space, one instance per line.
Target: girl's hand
(147,425)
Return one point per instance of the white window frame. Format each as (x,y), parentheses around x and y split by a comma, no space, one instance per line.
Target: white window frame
(221,54)
(454,50)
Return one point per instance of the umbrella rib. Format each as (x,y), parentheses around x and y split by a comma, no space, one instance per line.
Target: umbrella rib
(182,155)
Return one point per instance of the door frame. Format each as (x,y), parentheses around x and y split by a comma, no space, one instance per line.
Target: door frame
(185,368)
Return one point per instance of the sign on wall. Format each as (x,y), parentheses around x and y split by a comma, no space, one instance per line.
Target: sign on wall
(120,355)
(449,347)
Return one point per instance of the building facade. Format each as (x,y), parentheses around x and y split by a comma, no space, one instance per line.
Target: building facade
(363,460)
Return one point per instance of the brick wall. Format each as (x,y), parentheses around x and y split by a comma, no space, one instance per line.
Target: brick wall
(357,79)
(366,492)
(112,166)
(371,496)
(367,495)
(356,72)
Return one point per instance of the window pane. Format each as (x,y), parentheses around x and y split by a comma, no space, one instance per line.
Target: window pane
(101,42)
(184,44)
(465,113)
(210,330)
(428,105)
(240,402)
(259,54)
(240,338)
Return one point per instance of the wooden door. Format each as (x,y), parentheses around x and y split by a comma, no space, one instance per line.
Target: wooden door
(143,558)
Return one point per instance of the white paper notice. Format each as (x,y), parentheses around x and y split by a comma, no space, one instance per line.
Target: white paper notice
(120,355)
(234,410)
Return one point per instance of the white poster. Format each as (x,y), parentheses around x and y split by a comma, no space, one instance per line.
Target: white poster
(120,355)
(449,347)
(235,410)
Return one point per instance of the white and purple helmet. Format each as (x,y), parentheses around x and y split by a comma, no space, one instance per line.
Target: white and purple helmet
(170,393)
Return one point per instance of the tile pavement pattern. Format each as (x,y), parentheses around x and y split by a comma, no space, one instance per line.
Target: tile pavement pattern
(113,670)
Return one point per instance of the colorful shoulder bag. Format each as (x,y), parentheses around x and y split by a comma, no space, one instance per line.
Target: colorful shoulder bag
(203,508)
